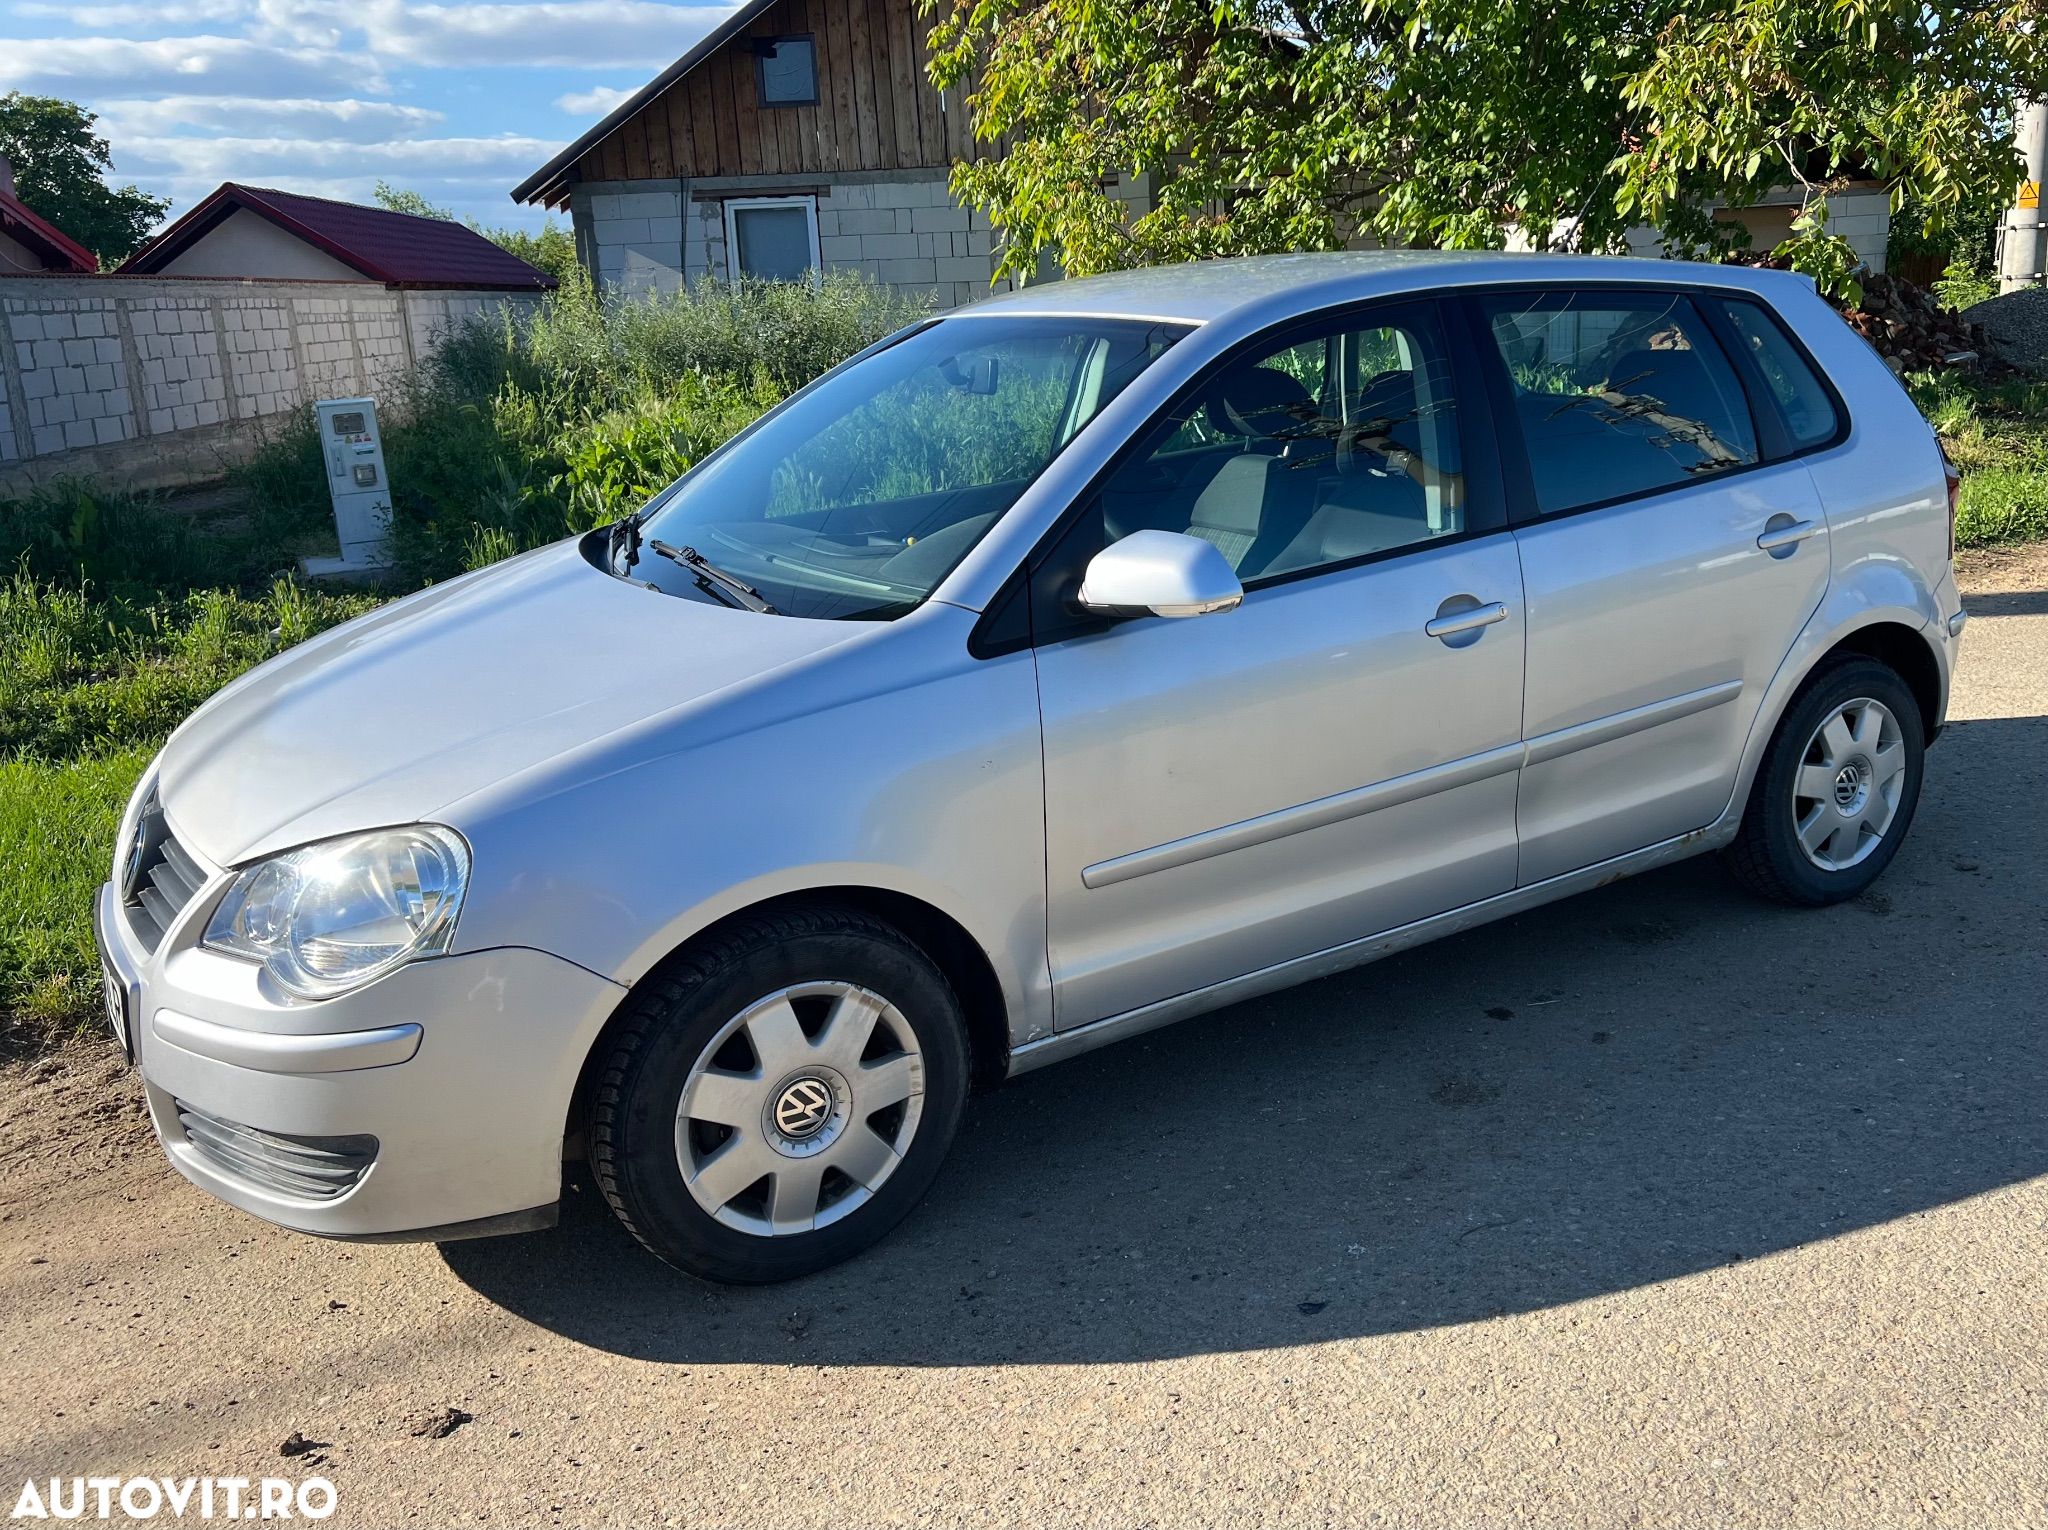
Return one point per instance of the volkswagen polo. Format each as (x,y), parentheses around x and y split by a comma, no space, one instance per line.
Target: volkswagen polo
(1091,657)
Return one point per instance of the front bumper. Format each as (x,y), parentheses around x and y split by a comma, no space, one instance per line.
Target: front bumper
(434,1098)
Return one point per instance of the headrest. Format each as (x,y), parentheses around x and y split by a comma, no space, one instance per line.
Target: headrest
(1261,402)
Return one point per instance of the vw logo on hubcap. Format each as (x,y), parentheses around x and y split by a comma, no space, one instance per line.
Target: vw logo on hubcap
(1848,786)
(803,1108)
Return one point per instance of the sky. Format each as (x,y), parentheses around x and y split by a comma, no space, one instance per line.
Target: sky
(459,102)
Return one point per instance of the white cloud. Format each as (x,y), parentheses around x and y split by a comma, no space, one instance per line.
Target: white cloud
(594,102)
(125,68)
(350,121)
(498,160)
(553,33)
(171,13)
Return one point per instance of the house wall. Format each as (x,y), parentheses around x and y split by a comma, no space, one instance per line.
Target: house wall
(904,231)
(876,108)
(154,382)
(16,256)
(247,244)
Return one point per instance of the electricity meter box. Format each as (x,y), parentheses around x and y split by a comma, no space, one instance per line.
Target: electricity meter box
(353,449)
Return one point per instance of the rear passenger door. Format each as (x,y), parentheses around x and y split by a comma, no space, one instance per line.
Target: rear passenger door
(1668,562)
(1335,757)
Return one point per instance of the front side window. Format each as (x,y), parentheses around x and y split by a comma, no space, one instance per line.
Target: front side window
(1312,453)
(861,495)
(1617,394)
(771,238)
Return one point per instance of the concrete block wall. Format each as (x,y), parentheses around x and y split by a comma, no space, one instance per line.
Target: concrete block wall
(156,382)
(184,384)
(66,365)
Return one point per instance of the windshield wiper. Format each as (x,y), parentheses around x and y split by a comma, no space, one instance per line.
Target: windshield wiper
(713,578)
(624,536)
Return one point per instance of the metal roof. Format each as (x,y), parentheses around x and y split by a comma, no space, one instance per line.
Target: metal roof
(397,249)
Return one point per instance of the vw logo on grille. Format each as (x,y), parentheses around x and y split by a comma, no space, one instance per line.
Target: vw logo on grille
(803,1108)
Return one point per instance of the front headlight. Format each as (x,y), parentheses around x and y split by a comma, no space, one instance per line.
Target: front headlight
(332,916)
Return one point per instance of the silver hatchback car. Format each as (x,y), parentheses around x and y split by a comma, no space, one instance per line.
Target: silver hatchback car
(1092,657)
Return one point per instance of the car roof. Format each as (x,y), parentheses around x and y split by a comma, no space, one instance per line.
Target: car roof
(1201,292)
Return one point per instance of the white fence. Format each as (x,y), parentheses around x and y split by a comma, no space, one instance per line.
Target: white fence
(152,383)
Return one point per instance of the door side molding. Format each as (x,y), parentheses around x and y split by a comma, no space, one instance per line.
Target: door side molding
(1396,790)
(1323,811)
(1604,730)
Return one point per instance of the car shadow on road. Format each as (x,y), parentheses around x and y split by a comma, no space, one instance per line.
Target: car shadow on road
(1652,1080)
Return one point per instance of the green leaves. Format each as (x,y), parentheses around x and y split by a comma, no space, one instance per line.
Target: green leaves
(1286,124)
(60,169)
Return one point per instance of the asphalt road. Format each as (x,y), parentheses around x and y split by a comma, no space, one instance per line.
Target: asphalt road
(1656,1207)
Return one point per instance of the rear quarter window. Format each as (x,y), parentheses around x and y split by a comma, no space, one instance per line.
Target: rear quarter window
(1802,399)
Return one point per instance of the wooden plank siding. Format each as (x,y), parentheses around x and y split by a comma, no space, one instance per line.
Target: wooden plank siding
(876,109)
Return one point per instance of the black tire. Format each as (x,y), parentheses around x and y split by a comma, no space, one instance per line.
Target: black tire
(676,1014)
(1766,855)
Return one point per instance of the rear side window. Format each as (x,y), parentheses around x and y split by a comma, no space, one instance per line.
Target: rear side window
(1802,400)
(1617,393)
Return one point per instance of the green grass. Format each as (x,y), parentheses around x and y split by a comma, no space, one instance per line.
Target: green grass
(1997,436)
(57,824)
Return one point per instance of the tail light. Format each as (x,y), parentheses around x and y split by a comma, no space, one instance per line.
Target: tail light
(1955,489)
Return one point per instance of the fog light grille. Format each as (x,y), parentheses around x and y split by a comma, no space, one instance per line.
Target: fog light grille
(313,1168)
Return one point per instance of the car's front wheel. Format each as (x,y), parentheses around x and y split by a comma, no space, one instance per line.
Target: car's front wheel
(1837,788)
(780,1096)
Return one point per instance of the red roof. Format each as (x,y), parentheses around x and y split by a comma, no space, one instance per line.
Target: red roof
(397,249)
(58,250)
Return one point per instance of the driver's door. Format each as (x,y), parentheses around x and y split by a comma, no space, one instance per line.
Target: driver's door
(1338,755)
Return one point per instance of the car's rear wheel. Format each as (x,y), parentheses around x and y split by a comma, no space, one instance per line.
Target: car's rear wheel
(780,1096)
(1837,788)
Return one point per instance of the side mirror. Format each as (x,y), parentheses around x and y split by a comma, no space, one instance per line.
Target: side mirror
(1159,573)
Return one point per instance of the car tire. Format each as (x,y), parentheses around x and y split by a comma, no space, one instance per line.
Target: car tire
(772,1044)
(1837,788)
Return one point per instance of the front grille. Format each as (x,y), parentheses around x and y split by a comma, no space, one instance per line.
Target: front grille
(313,1168)
(162,876)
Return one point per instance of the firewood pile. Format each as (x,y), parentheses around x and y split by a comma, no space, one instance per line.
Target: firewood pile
(1910,328)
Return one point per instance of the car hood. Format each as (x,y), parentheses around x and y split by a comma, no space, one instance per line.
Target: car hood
(424,701)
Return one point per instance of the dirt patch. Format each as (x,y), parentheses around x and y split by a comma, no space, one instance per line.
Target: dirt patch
(73,1114)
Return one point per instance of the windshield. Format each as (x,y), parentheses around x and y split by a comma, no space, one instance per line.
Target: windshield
(861,495)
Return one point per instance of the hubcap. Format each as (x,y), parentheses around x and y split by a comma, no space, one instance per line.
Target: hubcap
(1846,791)
(800,1108)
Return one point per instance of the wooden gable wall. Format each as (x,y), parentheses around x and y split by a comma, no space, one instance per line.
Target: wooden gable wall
(876,107)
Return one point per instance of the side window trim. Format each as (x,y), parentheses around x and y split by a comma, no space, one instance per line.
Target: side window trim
(1520,485)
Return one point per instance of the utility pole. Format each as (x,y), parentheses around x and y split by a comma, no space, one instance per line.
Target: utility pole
(2023,238)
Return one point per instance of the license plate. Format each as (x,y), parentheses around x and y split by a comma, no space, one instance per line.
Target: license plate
(115,994)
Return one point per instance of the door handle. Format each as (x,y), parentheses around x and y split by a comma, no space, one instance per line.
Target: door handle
(1467,620)
(1783,533)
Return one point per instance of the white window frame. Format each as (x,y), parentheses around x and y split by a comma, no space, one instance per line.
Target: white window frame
(737,205)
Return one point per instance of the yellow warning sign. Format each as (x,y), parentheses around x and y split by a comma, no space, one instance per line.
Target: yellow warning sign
(2030,194)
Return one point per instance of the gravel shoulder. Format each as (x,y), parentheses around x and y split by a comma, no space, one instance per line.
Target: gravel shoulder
(1657,1206)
